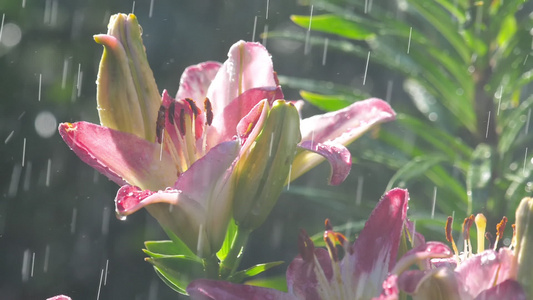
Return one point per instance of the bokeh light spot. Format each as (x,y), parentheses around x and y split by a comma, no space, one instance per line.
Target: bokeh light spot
(11,35)
(45,124)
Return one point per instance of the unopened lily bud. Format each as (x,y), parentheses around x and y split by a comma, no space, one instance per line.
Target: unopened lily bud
(127,95)
(271,136)
(523,261)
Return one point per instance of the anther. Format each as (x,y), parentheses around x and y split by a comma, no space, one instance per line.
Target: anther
(449,236)
(193,106)
(208,111)
(306,246)
(160,124)
(171,110)
(500,228)
(182,122)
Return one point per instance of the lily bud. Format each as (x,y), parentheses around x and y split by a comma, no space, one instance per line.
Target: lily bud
(270,137)
(523,261)
(127,95)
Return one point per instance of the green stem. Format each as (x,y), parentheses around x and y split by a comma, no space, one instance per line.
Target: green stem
(211,267)
(233,259)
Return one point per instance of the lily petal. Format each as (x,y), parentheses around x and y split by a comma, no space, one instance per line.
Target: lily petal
(337,155)
(195,80)
(122,157)
(422,253)
(508,290)
(301,276)
(345,125)
(226,120)
(203,289)
(340,127)
(375,250)
(248,66)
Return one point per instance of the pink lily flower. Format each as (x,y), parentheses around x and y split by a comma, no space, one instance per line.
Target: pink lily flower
(178,162)
(489,274)
(363,273)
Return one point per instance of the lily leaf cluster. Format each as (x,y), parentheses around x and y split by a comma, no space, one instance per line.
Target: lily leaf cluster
(466,67)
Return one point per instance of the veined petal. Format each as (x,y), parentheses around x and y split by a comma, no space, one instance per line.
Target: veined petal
(508,290)
(122,157)
(204,289)
(375,250)
(248,66)
(438,283)
(482,271)
(420,254)
(173,209)
(226,119)
(302,280)
(195,80)
(337,155)
(345,125)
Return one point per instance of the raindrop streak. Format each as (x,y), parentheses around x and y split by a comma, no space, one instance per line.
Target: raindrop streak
(133,8)
(366,6)
(40,85)
(23,3)
(106,267)
(312,138)
(268,2)
(326,41)
(152,290)
(8,138)
(434,201)
(527,55)
(389,90)
(26,265)
(525,160)
(47,12)
(409,43)
(2,26)
(265,32)
(255,27)
(200,238)
(499,96)
(308,34)
(150,12)
(21,115)
(66,63)
(105,220)
(271,141)
(366,68)
(23,152)
(73,222)
(46,258)
(48,167)
(162,143)
(27,177)
(289,181)
(95,176)
(80,76)
(527,122)
(359,194)
(488,124)
(101,273)
(15,178)
(32,263)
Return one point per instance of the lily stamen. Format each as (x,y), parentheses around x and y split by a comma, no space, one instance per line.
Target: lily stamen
(481,226)
(467,224)
(449,237)
(500,228)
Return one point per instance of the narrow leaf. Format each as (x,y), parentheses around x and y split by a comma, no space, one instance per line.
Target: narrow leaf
(326,102)
(414,169)
(335,25)
(479,177)
(252,271)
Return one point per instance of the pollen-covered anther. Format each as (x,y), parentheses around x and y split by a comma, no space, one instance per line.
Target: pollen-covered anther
(489,238)
(330,239)
(449,236)
(160,124)
(181,125)
(306,247)
(467,224)
(500,228)
(208,111)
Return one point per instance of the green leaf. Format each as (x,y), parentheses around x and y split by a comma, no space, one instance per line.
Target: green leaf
(435,136)
(414,169)
(162,247)
(181,248)
(326,102)
(277,282)
(507,31)
(252,271)
(513,125)
(228,240)
(177,271)
(441,20)
(479,177)
(335,25)
(312,86)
